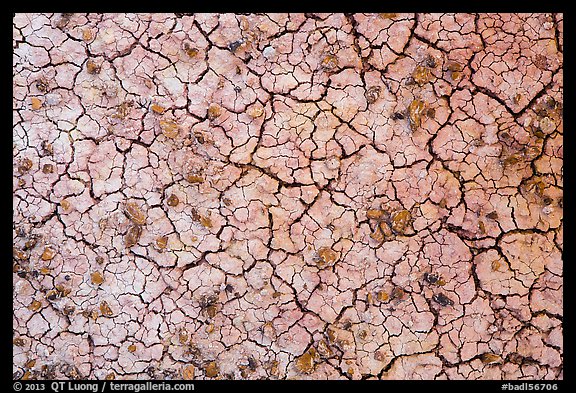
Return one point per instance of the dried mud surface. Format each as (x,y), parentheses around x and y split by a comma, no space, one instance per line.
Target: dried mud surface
(287,196)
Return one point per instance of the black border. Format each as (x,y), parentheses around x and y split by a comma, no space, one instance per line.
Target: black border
(335,6)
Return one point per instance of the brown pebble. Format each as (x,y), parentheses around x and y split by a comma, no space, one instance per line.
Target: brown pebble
(133,235)
(134,213)
(415,112)
(92,67)
(162,242)
(305,363)
(211,370)
(105,309)
(172,200)
(382,296)
(36,103)
(169,128)
(327,256)
(157,109)
(48,254)
(421,75)
(188,372)
(48,168)
(214,111)
(25,165)
(35,305)
(374,214)
(488,358)
(97,278)
(400,221)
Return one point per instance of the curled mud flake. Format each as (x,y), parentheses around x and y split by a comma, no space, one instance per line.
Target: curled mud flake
(169,128)
(105,309)
(158,109)
(415,112)
(442,300)
(132,348)
(133,235)
(400,221)
(326,256)
(48,254)
(172,200)
(134,213)
(35,305)
(92,67)
(214,111)
(388,15)
(25,165)
(188,372)
(305,363)
(372,94)
(211,370)
(47,168)
(97,278)
(421,75)
(99,260)
(36,103)
(210,327)
(440,282)
(382,296)
(490,358)
(45,270)
(111,376)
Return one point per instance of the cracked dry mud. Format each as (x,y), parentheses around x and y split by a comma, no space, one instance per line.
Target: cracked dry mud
(298,196)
